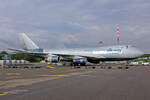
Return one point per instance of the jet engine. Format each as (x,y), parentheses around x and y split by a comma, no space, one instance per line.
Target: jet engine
(80,61)
(53,59)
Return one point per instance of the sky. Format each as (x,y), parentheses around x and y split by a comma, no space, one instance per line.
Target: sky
(75,23)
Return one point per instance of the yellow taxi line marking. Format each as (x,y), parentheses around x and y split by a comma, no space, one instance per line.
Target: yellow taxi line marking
(2,94)
(61,75)
(50,67)
(58,75)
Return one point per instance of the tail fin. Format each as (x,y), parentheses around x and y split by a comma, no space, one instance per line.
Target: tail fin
(27,43)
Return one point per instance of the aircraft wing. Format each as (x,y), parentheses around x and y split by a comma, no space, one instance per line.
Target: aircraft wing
(83,55)
(42,54)
(26,52)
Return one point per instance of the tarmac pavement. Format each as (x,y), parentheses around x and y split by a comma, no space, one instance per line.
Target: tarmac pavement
(64,83)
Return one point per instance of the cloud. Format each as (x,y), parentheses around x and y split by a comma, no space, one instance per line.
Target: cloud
(75,23)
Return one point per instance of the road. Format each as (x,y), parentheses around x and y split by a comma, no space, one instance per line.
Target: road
(98,84)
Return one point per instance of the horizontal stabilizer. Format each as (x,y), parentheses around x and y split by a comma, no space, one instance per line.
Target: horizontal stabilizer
(16,50)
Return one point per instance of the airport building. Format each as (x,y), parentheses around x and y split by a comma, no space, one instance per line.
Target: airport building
(5,57)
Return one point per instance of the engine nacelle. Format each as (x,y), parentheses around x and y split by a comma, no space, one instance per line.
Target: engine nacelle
(53,59)
(80,60)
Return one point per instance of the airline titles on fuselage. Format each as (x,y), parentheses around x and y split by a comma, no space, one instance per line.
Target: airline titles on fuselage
(107,51)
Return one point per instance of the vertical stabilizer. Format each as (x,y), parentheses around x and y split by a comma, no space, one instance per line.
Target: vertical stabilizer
(27,43)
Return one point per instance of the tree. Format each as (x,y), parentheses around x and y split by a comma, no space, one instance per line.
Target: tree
(25,57)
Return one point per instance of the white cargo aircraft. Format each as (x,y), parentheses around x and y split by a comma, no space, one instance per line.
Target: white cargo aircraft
(80,56)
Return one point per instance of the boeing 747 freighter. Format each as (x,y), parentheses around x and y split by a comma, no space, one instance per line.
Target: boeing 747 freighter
(80,56)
